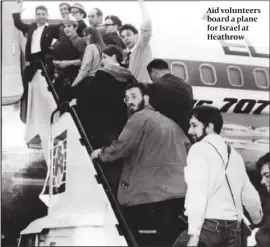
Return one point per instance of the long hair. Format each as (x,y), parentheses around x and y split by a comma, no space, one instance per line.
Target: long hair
(95,38)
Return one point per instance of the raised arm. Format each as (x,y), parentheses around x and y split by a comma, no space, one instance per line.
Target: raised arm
(145,14)
(146,26)
(17,18)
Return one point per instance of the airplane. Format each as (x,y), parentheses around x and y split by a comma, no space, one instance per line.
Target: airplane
(232,76)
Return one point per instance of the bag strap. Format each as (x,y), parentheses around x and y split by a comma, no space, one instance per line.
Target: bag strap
(226,166)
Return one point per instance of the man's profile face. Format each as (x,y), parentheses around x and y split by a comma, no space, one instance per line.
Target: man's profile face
(94,19)
(154,75)
(265,173)
(64,11)
(134,100)
(41,16)
(197,130)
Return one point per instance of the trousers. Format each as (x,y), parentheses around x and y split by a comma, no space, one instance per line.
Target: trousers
(157,223)
(217,233)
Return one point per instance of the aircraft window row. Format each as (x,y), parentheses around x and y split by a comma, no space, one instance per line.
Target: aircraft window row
(209,77)
(180,69)
(261,78)
(235,76)
(208,74)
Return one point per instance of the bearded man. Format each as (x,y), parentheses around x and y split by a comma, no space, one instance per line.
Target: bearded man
(218,185)
(152,187)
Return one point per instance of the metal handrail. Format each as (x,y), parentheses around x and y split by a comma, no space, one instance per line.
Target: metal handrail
(123,226)
(49,82)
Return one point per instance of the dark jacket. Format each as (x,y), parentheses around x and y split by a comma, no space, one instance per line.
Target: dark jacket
(104,105)
(114,39)
(172,97)
(66,48)
(105,114)
(49,33)
(263,234)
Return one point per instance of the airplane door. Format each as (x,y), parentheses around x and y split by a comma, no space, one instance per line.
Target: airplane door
(12,87)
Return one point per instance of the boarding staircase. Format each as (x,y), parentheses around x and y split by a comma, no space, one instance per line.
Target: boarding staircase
(82,209)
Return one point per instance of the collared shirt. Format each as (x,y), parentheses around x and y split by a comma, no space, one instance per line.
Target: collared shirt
(154,153)
(35,44)
(141,54)
(132,49)
(208,194)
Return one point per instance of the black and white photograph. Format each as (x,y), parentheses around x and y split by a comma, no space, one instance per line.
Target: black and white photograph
(135,123)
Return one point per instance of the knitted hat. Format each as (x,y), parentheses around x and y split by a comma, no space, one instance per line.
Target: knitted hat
(70,20)
(79,6)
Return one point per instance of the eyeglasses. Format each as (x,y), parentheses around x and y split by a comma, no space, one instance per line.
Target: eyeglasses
(133,96)
(107,25)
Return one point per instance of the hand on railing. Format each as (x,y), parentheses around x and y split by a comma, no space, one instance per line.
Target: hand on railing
(95,154)
(49,81)
(73,102)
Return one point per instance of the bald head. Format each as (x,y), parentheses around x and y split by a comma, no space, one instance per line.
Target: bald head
(95,17)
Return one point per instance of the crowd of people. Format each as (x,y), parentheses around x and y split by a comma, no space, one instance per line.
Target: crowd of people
(164,160)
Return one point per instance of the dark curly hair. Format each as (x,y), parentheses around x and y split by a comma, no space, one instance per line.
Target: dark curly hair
(262,161)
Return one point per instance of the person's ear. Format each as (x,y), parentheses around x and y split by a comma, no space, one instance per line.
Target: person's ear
(210,128)
(146,99)
(114,58)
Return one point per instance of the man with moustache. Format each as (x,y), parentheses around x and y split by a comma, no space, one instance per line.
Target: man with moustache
(218,185)
(152,188)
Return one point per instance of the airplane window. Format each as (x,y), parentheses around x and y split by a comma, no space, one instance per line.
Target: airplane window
(261,78)
(235,76)
(208,74)
(179,69)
